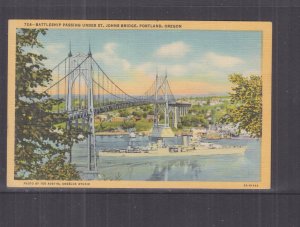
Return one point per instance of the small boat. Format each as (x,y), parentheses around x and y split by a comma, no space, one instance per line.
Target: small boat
(80,136)
(132,135)
(211,145)
(207,145)
(241,137)
(217,146)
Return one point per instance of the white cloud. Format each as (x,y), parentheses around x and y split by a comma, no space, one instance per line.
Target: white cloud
(210,67)
(54,48)
(150,69)
(221,61)
(178,70)
(147,68)
(173,50)
(110,57)
(110,48)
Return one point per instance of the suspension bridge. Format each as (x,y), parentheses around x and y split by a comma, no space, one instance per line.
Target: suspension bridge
(86,90)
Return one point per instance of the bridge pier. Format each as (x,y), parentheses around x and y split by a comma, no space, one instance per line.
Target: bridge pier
(76,122)
(175,117)
(83,123)
(179,110)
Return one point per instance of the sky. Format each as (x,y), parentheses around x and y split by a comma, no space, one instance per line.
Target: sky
(197,62)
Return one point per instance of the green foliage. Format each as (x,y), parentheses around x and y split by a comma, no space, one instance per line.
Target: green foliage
(193,121)
(41,141)
(107,126)
(137,113)
(179,126)
(218,115)
(247,100)
(128,124)
(124,113)
(143,125)
(147,109)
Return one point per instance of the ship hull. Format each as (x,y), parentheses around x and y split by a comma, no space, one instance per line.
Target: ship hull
(165,152)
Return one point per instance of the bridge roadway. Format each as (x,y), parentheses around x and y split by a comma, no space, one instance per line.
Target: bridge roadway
(83,113)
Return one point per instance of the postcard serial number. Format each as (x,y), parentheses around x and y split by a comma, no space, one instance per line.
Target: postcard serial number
(251,185)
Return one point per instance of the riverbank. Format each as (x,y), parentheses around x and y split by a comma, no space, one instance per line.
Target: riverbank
(165,152)
(111,133)
(142,133)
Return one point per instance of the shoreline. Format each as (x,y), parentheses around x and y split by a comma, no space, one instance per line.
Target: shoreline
(176,135)
(145,133)
(110,133)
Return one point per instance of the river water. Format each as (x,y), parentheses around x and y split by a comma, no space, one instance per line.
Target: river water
(235,167)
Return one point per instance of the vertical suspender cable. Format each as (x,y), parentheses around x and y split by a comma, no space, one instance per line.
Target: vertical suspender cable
(79,91)
(66,88)
(103,89)
(98,93)
(71,86)
(85,95)
(58,88)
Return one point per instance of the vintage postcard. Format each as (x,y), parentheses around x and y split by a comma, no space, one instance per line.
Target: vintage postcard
(139,104)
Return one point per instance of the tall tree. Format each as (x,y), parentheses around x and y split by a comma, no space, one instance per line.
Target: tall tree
(41,144)
(246,97)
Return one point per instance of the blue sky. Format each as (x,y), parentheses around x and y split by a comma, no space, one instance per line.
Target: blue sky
(197,62)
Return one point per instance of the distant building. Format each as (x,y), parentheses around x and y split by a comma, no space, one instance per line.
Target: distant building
(202,102)
(118,119)
(136,118)
(228,129)
(214,102)
(197,132)
(102,117)
(150,117)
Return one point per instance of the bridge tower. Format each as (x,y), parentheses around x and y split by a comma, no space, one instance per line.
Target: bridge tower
(82,71)
(161,102)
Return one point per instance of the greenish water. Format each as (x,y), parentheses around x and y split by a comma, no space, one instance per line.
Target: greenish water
(234,167)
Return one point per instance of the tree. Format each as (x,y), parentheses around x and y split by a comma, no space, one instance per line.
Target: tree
(246,97)
(124,113)
(193,121)
(128,124)
(41,142)
(137,113)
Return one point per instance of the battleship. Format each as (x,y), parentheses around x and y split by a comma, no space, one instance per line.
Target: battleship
(189,147)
